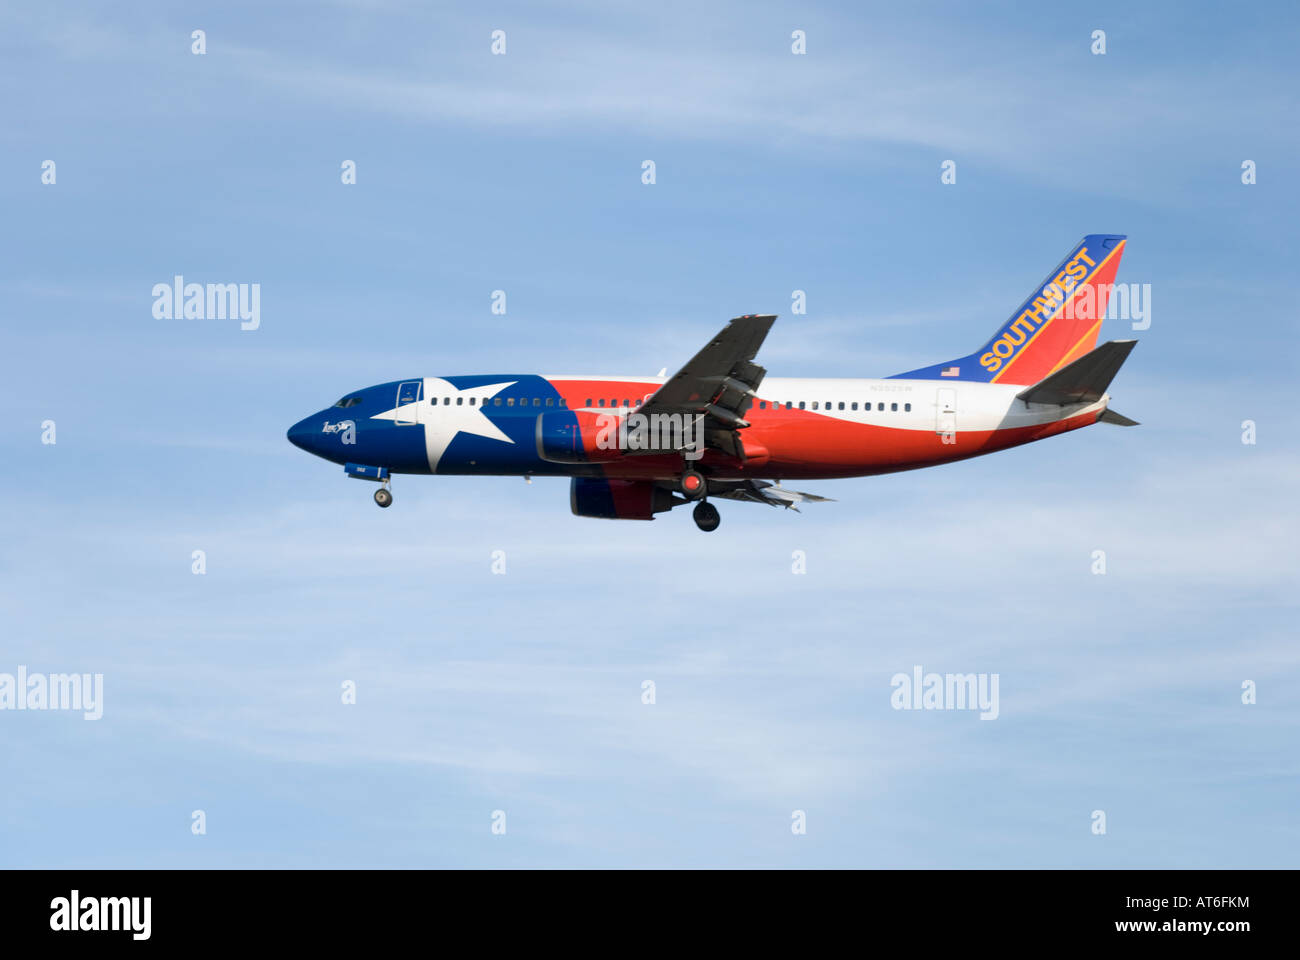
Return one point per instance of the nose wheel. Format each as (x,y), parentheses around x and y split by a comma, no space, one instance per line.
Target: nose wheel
(706,516)
(383,497)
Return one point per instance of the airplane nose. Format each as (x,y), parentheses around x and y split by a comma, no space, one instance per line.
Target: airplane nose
(300,433)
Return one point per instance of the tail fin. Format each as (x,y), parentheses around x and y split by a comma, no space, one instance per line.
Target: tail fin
(1057,323)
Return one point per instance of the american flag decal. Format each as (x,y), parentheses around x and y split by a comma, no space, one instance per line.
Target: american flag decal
(950,372)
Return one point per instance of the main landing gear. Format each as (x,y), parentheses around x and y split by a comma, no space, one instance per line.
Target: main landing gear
(706,516)
(384,496)
(692,485)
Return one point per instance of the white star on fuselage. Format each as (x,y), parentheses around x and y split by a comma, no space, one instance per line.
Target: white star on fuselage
(445,421)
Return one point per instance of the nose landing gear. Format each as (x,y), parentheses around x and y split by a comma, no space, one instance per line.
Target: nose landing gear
(361,471)
(706,516)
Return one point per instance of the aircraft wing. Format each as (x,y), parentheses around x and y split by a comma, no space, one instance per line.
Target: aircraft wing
(718,383)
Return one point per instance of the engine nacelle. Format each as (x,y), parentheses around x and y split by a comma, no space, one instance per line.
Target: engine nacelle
(577,436)
(619,499)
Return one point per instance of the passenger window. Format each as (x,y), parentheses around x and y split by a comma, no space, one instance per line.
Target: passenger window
(588,403)
(855,404)
(550,401)
(434,401)
(602,403)
(907,408)
(880,406)
(893,407)
(814,406)
(627,403)
(762,404)
(496,401)
(471,401)
(801,404)
(460,401)
(841,404)
(510,401)
(789,404)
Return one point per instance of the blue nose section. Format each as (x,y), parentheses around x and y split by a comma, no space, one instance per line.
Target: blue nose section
(305,434)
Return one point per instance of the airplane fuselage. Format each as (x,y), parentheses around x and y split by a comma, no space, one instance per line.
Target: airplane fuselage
(799,428)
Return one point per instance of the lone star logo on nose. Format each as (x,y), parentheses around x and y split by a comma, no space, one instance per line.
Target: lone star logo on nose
(453,415)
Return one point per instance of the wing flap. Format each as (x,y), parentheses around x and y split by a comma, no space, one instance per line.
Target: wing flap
(772,494)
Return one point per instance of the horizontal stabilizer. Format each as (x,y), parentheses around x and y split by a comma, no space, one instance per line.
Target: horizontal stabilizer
(1083,381)
(1110,416)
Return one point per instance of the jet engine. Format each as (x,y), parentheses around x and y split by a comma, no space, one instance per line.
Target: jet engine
(619,499)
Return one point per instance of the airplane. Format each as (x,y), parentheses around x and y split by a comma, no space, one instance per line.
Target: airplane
(721,429)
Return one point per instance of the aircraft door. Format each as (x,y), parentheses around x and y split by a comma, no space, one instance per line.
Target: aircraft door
(945,418)
(408,400)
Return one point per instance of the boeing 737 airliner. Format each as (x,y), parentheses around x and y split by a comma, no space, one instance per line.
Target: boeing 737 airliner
(721,429)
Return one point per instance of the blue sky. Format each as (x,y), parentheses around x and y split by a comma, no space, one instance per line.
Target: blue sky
(522,692)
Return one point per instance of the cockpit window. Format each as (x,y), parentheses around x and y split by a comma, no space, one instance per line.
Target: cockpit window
(348,402)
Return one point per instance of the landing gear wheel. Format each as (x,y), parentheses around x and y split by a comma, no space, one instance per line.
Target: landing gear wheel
(692,485)
(383,497)
(707,517)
